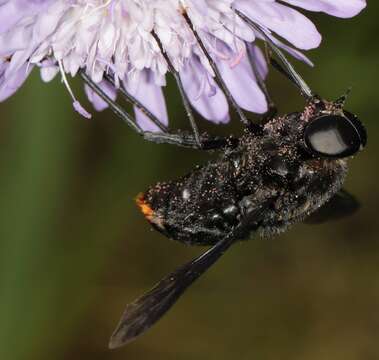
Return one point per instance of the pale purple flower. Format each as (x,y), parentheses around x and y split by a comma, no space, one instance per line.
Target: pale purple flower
(116,36)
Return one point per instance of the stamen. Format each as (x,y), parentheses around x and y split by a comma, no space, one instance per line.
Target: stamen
(76,104)
(215,51)
(238,58)
(95,9)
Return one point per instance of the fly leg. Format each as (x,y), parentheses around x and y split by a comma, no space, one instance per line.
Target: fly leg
(183,139)
(217,73)
(290,70)
(183,94)
(272,109)
(135,102)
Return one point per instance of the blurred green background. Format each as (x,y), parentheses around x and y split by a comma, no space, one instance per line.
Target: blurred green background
(74,249)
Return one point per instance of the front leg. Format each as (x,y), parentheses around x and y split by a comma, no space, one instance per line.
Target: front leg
(184,139)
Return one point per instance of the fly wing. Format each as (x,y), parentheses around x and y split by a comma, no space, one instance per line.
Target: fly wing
(341,205)
(143,313)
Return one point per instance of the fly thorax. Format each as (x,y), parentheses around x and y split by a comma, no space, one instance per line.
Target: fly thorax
(316,182)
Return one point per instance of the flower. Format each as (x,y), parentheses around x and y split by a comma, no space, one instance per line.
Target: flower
(119,37)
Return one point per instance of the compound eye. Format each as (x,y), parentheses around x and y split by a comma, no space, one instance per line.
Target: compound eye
(359,126)
(335,136)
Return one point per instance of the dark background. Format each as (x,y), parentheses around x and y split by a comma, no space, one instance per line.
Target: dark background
(74,249)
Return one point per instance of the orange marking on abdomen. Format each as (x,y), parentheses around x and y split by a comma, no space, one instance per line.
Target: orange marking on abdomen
(144,206)
(149,213)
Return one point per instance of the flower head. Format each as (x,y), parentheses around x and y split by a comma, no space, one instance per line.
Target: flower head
(139,41)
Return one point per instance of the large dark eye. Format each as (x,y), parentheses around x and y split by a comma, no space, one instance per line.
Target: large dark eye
(335,135)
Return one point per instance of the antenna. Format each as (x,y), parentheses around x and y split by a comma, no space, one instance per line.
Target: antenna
(342,99)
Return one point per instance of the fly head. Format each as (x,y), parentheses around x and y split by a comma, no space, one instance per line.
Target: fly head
(332,132)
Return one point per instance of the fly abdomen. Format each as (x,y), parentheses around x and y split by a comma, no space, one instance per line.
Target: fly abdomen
(200,208)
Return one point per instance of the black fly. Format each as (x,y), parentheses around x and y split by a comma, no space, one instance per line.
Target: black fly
(288,169)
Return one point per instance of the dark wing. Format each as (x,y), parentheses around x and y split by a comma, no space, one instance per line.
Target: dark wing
(143,313)
(339,206)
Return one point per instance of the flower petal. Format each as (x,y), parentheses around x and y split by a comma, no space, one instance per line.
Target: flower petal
(243,86)
(203,93)
(11,83)
(285,21)
(98,103)
(145,90)
(339,8)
